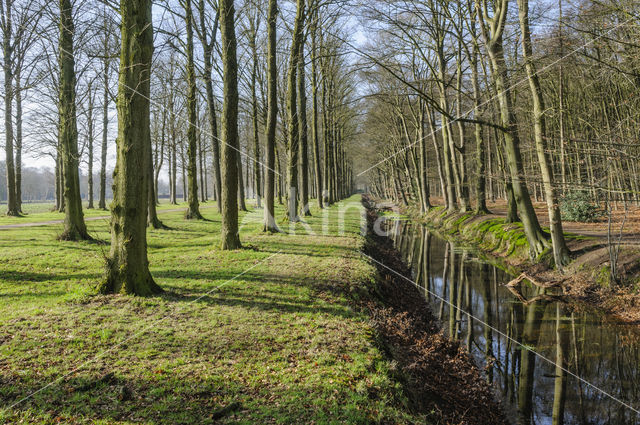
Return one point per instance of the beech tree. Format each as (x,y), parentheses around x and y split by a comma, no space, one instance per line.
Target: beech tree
(193,211)
(207,32)
(292,112)
(560,250)
(74,226)
(127,264)
(18,26)
(272,117)
(493,31)
(230,143)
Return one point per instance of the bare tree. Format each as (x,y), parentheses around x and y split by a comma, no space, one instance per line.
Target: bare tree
(127,264)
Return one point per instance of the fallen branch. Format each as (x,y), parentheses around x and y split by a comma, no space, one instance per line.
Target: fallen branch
(541,297)
(524,276)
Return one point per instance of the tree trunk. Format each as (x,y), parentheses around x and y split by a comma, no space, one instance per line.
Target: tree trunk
(193,210)
(257,181)
(127,264)
(160,155)
(304,140)
(439,161)
(183,170)
(102,204)
(201,168)
(279,173)
(152,212)
(242,204)
(292,114)
(560,250)
(481,195)
(57,183)
(74,226)
(60,179)
(230,143)
(459,151)
(272,118)
(174,174)
(536,237)
(207,49)
(314,126)
(12,205)
(18,163)
(90,147)
(422,172)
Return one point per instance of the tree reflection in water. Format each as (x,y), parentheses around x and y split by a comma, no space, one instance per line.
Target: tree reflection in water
(466,292)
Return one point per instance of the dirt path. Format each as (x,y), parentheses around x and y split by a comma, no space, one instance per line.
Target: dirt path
(102,217)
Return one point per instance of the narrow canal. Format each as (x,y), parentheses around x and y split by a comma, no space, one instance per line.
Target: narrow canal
(468,295)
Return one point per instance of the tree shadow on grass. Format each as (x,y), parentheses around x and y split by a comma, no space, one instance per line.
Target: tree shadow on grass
(13,276)
(285,295)
(170,398)
(265,303)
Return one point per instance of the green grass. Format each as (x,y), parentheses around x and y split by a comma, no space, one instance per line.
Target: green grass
(280,336)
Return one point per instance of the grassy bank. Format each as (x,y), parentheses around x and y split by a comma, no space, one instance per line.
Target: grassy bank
(267,334)
(586,279)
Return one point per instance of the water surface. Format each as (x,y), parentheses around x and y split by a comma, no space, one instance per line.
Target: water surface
(495,324)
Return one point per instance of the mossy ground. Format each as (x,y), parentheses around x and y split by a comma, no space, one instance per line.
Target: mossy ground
(281,335)
(491,235)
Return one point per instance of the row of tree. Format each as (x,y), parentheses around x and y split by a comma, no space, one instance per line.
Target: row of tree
(465,90)
(169,103)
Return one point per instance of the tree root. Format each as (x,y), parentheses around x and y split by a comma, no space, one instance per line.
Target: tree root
(525,276)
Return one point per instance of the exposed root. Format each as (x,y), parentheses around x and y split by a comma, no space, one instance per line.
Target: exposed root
(542,284)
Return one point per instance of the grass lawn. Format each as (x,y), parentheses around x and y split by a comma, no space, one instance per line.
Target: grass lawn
(42,211)
(278,339)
